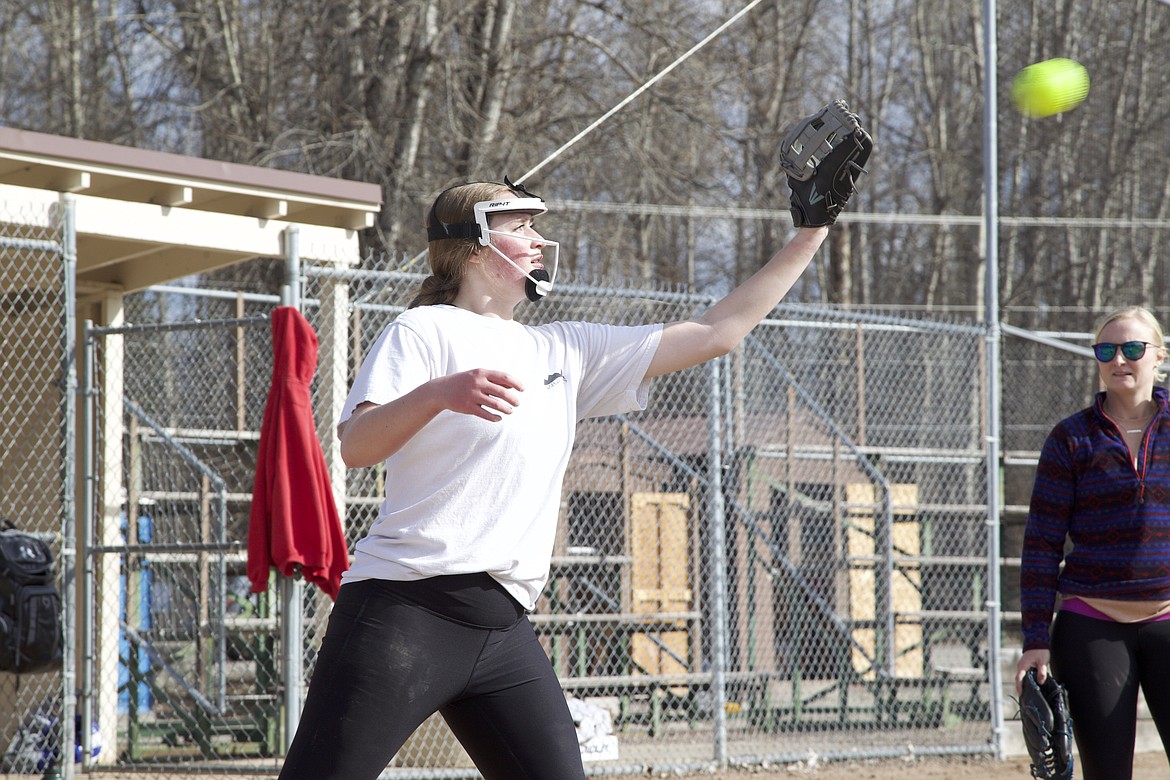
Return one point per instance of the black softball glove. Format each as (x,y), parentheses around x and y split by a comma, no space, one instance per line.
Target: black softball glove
(1047,727)
(823,155)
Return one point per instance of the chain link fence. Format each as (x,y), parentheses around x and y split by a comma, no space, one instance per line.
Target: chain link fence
(787,549)
(37,385)
(786,554)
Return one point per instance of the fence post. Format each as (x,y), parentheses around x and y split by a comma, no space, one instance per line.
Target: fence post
(718,530)
(293,588)
(68,499)
(991,314)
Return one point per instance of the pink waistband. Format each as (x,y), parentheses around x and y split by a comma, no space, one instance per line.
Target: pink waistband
(1079,607)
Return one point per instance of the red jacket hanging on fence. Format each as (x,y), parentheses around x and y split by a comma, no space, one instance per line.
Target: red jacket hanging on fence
(294,521)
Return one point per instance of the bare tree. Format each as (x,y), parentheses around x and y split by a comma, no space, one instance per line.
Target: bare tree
(419,94)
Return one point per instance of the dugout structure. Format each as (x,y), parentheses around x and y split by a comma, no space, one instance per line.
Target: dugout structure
(83,225)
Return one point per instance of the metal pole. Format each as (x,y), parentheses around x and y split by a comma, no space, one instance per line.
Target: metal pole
(219,594)
(291,293)
(87,509)
(293,591)
(885,646)
(718,532)
(991,295)
(69,496)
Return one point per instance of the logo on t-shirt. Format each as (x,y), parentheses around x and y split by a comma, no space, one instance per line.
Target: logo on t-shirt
(552,380)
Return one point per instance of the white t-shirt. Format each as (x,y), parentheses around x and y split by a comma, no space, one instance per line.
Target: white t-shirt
(468,495)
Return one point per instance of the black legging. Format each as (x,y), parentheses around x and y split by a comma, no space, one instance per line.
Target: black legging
(386,664)
(1102,664)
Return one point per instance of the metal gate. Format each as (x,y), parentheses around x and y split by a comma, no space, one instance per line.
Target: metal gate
(181,661)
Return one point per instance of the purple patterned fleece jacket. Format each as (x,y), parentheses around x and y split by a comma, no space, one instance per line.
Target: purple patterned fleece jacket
(1116,516)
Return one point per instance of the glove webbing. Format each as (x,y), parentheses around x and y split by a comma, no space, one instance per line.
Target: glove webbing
(815,139)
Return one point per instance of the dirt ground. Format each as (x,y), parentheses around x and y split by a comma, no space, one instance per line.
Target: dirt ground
(1147,766)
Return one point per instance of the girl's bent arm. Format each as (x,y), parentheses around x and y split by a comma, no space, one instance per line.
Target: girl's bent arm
(375,432)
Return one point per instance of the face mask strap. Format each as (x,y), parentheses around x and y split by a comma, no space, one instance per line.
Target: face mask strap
(440,230)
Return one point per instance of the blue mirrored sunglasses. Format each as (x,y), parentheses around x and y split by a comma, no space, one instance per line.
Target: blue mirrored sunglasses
(1132,350)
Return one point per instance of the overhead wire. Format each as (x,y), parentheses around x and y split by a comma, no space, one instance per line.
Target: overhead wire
(623,102)
(645,86)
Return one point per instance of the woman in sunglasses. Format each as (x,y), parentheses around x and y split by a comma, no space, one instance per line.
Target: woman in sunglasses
(1103,481)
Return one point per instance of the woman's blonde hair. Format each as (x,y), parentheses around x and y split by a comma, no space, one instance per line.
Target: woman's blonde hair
(1142,315)
(448,256)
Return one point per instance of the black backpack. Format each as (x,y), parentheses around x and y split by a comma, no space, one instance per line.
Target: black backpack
(30,606)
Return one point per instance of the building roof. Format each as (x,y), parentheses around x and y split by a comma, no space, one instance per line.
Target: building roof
(146,217)
(62,164)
